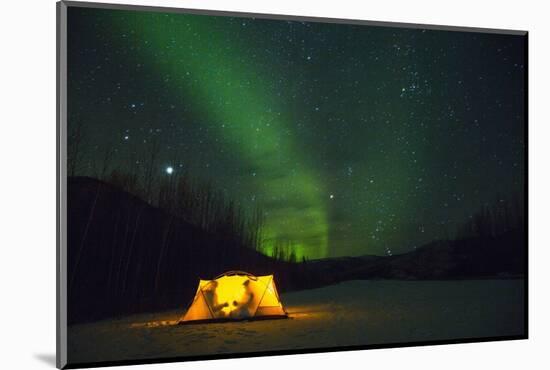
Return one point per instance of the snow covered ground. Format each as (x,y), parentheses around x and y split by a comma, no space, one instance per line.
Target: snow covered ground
(350,313)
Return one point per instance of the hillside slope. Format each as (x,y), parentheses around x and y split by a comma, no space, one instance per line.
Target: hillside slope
(126,256)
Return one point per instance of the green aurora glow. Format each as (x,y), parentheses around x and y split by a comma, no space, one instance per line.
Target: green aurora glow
(352,139)
(256,133)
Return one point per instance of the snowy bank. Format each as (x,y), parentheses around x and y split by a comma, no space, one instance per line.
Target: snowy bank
(346,314)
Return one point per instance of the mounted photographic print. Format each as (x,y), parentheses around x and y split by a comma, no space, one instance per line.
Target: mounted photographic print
(236,184)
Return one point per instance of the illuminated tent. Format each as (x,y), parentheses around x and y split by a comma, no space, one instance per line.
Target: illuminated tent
(235,295)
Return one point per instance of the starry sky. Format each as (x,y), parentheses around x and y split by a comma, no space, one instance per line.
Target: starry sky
(352,139)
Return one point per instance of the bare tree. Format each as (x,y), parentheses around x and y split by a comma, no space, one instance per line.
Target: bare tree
(131,248)
(162,251)
(106,161)
(84,236)
(75,141)
(154,150)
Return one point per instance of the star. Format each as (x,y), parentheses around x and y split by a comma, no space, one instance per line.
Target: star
(169,170)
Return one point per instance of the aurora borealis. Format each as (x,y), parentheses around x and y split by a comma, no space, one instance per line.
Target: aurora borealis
(352,139)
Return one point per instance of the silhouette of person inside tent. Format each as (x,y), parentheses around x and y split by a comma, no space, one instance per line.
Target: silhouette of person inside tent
(243,308)
(212,300)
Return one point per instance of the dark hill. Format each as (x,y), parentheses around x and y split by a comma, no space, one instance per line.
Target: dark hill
(488,257)
(126,256)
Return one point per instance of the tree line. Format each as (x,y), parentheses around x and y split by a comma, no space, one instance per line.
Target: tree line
(181,195)
(504,215)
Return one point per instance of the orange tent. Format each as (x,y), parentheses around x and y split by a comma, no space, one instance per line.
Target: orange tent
(235,295)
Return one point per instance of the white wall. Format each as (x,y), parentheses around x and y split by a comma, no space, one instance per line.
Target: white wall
(27,186)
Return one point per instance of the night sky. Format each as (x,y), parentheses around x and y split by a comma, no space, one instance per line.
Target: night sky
(352,139)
